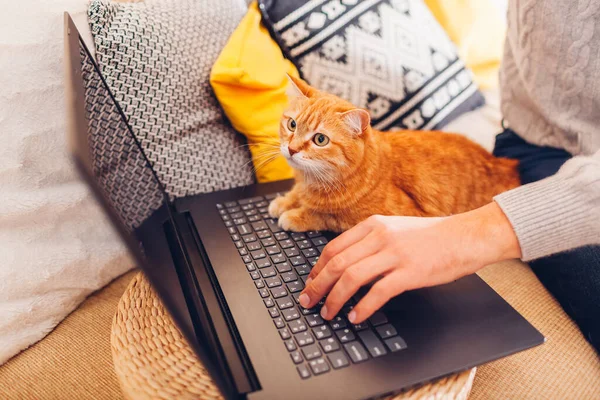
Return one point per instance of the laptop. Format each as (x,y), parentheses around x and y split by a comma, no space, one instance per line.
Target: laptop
(230,277)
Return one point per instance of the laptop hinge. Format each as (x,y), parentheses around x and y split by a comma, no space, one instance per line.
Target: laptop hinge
(212,318)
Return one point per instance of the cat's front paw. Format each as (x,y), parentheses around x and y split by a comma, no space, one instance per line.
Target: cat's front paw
(278,206)
(291,221)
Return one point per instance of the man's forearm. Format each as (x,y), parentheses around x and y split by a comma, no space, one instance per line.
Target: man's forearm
(558,213)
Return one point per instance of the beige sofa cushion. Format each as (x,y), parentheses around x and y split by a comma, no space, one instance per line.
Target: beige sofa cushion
(74,361)
(565,367)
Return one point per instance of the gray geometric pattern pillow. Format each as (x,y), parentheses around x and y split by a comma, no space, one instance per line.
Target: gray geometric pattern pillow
(156,57)
(118,164)
(388,56)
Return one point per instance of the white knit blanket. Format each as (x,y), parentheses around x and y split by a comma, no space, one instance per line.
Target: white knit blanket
(55,245)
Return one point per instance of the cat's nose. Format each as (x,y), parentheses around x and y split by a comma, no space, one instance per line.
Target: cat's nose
(292,151)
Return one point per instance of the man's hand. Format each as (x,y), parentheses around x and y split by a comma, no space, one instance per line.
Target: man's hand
(406,253)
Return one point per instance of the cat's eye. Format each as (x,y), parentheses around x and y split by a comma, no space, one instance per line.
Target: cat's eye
(320,139)
(291,125)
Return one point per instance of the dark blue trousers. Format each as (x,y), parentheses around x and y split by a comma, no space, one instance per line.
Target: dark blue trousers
(572,277)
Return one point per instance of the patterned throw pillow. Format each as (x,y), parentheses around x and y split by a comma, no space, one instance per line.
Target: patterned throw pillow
(388,56)
(156,57)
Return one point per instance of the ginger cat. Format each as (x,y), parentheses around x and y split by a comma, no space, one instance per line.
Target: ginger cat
(347,171)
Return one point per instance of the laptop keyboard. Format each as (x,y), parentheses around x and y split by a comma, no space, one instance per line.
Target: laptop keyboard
(279,263)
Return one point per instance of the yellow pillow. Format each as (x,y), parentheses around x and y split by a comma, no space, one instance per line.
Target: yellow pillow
(249,80)
(478,30)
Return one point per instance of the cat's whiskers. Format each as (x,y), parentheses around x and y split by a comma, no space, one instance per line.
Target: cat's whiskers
(262,161)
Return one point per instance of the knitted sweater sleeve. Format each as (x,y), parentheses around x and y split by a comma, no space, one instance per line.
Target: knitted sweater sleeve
(558,213)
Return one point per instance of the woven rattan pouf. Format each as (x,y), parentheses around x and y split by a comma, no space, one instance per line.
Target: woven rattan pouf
(153,361)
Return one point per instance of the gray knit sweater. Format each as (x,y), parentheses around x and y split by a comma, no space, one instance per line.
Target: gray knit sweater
(550,82)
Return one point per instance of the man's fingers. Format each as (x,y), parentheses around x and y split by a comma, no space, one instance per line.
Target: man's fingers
(324,281)
(351,280)
(381,292)
(339,244)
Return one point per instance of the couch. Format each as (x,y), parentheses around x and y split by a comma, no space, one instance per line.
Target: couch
(74,361)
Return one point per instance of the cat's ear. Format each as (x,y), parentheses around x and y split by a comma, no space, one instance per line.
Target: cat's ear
(358,120)
(298,88)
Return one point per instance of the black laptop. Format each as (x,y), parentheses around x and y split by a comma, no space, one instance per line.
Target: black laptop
(230,277)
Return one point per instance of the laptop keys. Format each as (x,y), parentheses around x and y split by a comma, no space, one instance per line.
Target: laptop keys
(395,343)
(291,314)
(303,371)
(269,302)
(296,236)
(292,252)
(294,287)
(386,331)
(314,320)
(263,235)
(356,351)
(319,366)
(286,243)
(304,339)
(297,326)
(303,269)
(244,229)
(279,322)
(345,335)
(328,345)
(258,254)
(296,357)
(281,236)
(290,345)
(298,260)
(372,343)
(360,327)
(249,238)
(268,272)
(253,246)
(273,227)
(268,242)
(338,323)
(278,292)
(288,276)
(313,261)
(319,241)
(278,258)
(303,244)
(308,311)
(338,360)
(272,282)
(310,252)
(285,333)
(284,303)
(263,263)
(274,312)
(378,318)
(322,332)
(311,352)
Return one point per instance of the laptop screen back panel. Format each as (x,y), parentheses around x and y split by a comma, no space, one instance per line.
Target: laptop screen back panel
(115,167)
